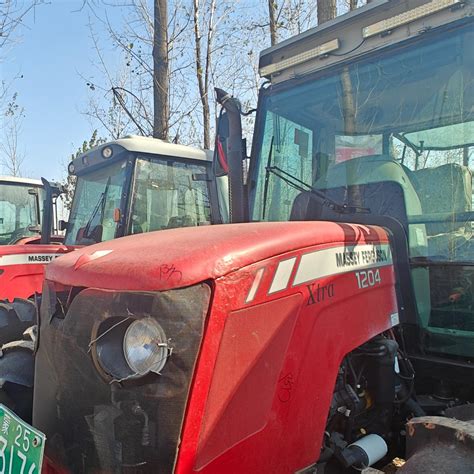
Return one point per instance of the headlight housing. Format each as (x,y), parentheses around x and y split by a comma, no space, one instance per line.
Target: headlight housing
(127,348)
(145,346)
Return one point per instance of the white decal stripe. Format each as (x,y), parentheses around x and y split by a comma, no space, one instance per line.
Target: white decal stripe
(255,285)
(333,261)
(282,275)
(99,254)
(27,259)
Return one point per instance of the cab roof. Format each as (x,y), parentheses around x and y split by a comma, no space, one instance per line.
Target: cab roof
(136,144)
(17,180)
(156,146)
(374,26)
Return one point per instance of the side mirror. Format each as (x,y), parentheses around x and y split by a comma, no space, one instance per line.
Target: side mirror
(63,225)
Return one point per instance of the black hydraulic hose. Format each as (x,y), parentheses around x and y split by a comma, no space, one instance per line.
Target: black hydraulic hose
(414,407)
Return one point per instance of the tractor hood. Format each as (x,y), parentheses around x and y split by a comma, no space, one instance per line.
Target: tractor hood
(182,257)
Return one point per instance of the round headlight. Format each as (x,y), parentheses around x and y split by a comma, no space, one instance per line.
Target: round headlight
(145,346)
(71,168)
(107,152)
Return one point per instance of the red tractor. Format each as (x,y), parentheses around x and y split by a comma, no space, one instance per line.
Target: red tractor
(127,186)
(24,249)
(27,209)
(335,342)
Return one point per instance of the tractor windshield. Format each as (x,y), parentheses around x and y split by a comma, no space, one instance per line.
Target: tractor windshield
(163,192)
(393,133)
(98,195)
(19,211)
(169,193)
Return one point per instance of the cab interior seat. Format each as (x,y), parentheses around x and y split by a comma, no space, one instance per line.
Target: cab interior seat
(376,182)
(446,189)
(384,186)
(181,221)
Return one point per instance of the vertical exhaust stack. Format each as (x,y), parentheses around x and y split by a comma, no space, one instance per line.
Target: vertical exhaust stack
(51,191)
(47,221)
(234,155)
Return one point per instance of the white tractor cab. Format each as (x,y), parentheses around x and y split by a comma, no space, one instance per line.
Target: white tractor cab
(21,206)
(141,184)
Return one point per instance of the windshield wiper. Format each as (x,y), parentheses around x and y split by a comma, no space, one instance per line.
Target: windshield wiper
(100,205)
(267,178)
(298,184)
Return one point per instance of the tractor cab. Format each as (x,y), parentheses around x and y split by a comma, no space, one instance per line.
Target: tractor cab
(138,184)
(370,119)
(21,205)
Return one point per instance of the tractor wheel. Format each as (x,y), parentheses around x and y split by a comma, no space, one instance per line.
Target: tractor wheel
(17,368)
(15,318)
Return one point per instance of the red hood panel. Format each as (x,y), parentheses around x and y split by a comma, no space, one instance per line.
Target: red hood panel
(182,257)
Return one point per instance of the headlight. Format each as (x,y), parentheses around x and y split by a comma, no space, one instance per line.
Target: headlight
(145,346)
(130,348)
(107,152)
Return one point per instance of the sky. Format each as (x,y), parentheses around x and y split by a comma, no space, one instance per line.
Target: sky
(51,53)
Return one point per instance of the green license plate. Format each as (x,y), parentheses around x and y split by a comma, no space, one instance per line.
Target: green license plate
(21,445)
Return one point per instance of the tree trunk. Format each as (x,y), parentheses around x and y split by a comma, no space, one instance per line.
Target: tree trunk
(160,71)
(202,73)
(272,6)
(465,156)
(326,10)
(352,4)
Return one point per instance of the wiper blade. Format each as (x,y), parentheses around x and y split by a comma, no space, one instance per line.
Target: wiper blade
(267,178)
(100,205)
(328,202)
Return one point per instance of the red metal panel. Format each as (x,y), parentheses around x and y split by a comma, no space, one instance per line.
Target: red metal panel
(231,424)
(251,352)
(22,268)
(181,257)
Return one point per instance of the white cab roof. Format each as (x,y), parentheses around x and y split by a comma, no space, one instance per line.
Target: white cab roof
(16,180)
(159,147)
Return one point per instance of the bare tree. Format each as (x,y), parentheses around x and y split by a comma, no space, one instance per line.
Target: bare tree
(132,98)
(12,14)
(352,4)
(203,70)
(160,70)
(11,156)
(327,10)
(272,14)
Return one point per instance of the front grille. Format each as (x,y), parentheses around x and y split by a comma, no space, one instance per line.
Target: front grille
(95,425)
